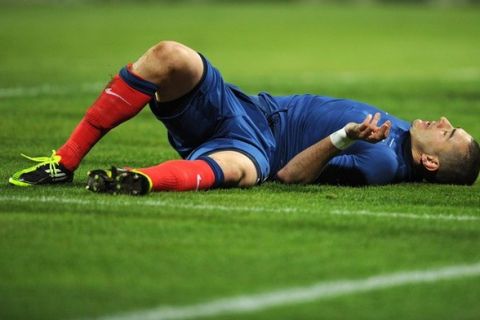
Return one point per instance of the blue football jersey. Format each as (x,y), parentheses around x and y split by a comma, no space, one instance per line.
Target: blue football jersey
(299,121)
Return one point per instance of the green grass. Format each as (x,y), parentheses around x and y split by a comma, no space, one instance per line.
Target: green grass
(66,253)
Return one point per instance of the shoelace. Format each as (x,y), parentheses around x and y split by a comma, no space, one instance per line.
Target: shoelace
(53,161)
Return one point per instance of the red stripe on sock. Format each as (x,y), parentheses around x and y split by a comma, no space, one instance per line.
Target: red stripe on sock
(116,104)
(181,175)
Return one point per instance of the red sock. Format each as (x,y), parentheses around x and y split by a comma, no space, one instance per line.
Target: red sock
(181,175)
(116,104)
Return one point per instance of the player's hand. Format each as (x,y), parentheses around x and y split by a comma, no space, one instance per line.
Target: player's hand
(369,130)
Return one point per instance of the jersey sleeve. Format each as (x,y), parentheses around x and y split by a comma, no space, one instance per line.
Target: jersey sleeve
(362,164)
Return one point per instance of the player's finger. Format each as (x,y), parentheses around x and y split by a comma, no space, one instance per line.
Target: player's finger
(383,131)
(364,125)
(372,126)
(388,126)
(367,120)
(375,119)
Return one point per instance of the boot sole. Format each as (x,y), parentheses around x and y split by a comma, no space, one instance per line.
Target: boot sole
(123,182)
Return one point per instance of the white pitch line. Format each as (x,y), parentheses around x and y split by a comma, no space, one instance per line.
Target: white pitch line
(175,204)
(406,215)
(296,295)
(143,202)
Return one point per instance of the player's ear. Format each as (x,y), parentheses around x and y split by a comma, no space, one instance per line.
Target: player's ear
(430,162)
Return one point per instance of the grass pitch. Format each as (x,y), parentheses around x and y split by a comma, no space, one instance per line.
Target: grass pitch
(67,254)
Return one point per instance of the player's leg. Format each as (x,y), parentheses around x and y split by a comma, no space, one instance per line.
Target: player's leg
(175,68)
(238,169)
(168,69)
(220,169)
(224,144)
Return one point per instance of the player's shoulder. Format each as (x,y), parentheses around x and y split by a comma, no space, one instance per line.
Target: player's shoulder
(374,151)
(378,162)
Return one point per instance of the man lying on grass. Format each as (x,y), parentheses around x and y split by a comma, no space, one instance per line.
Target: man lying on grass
(230,139)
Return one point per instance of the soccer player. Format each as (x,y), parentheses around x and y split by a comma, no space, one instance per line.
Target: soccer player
(229,139)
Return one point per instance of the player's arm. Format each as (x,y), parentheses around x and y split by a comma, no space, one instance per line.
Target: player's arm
(307,166)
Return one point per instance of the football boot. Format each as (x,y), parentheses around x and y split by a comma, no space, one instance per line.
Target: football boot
(118,181)
(49,170)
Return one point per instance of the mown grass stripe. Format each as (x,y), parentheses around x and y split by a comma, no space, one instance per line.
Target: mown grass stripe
(455,74)
(49,90)
(171,204)
(317,291)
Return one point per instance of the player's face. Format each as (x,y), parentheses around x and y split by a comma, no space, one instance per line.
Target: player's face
(434,137)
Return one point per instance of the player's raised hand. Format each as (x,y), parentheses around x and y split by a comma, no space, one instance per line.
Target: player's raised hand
(369,130)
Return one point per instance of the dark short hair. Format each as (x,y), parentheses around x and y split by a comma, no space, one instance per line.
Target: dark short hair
(458,168)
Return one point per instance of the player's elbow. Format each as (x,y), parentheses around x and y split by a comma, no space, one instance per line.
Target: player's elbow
(283,177)
(288,177)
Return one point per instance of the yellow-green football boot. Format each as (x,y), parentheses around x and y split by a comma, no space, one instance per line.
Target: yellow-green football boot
(49,170)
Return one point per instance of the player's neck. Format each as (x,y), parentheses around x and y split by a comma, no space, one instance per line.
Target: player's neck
(416,156)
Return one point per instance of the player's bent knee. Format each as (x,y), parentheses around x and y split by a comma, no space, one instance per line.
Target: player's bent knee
(173,67)
(167,52)
(167,58)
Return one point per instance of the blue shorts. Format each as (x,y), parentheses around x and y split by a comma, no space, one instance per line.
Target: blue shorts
(217,116)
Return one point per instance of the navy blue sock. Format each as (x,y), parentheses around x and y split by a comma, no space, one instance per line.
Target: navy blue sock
(138,83)
(217,171)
